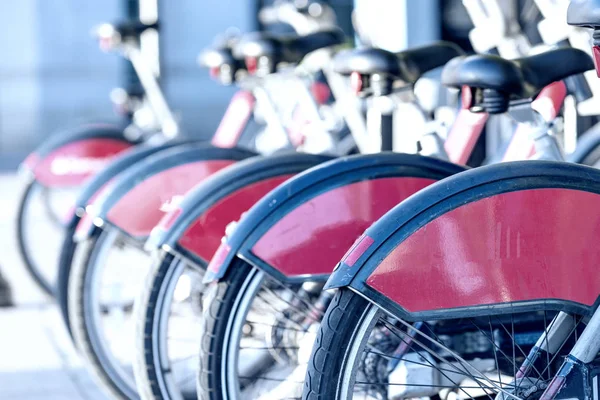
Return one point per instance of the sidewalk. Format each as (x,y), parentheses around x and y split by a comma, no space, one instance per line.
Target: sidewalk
(37,359)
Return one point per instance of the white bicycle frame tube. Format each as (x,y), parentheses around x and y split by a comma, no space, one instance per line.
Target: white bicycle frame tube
(268,110)
(154,94)
(553,28)
(495,27)
(348,105)
(317,139)
(588,345)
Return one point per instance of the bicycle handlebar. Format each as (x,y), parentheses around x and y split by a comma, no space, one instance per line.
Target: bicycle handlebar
(303,16)
(111,35)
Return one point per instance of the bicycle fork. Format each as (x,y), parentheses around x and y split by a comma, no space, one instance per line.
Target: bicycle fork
(578,373)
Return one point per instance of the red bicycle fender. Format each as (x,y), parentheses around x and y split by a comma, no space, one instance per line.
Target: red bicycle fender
(138,211)
(73,163)
(529,245)
(313,237)
(203,237)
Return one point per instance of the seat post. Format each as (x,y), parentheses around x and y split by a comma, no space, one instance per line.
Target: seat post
(382,88)
(380,122)
(387,132)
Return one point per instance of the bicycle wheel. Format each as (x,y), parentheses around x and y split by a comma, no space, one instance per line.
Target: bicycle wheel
(167,317)
(40,230)
(104,281)
(362,352)
(255,333)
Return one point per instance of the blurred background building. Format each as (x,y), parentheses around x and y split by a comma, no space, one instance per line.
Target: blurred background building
(53,75)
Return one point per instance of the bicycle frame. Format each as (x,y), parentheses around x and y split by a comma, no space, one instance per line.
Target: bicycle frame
(496,28)
(348,106)
(285,102)
(260,95)
(289,106)
(235,120)
(465,131)
(156,100)
(380,261)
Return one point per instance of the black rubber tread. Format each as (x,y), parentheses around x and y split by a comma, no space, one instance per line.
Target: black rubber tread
(77,319)
(339,323)
(219,300)
(65,263)
(146,313)
(29,263)
(6,296)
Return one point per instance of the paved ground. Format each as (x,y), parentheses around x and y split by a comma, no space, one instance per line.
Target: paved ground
(37,359)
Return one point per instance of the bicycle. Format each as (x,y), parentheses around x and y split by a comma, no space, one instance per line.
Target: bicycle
(180,241)
(116,227)
(447,334)
(235,128)
(67,161)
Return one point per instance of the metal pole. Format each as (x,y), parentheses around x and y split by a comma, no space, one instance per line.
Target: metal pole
(132,84)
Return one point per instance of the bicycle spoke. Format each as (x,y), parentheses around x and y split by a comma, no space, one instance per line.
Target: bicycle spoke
(458,358)
(491,340)
(309,307)
(287,328)
(560,348)
(423,364)
(418,385)
(462,372)
(495,353)
(280,313)
(515,344)
(512,324)
(297,297)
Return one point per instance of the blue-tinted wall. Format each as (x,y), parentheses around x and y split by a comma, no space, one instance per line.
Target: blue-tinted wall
(52,74)
(187,27)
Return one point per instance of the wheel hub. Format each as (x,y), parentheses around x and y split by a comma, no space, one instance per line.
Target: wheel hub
(526,389)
